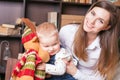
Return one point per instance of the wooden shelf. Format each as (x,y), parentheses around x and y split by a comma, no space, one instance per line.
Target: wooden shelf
(11,36)
(46,1)
(37,11)
(74,8)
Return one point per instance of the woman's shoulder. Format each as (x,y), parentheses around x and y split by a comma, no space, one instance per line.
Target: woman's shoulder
(66,34)
(69,27)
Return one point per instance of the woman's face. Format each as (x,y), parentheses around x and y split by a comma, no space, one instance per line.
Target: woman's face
(96,20)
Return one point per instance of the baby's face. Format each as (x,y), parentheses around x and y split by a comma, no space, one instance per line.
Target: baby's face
(51,44)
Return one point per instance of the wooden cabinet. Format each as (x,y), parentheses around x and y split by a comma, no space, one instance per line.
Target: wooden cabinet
(37,11)
(10,10)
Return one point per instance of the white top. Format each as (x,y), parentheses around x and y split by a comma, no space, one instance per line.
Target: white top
(59,67)
(85,69)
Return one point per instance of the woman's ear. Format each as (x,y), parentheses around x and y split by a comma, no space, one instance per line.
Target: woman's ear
(107,27)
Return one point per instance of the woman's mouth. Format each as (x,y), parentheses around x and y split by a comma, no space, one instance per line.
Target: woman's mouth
(88,25)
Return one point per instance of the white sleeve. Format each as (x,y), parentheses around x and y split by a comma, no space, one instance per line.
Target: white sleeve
(81,76)
(62,37)
(58,69)
(66,35)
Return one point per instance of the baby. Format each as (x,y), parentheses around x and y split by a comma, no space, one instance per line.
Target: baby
(49,41)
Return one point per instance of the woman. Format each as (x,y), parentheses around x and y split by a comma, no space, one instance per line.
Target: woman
(94,44)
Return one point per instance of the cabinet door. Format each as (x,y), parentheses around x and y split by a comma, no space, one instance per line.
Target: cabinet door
(15,47)
(10,11)
(74,8)
(73,13)
(37,10)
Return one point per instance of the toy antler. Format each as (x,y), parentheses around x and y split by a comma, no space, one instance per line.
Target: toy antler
(29,24)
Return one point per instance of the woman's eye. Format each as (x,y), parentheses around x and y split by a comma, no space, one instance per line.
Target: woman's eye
(101,21)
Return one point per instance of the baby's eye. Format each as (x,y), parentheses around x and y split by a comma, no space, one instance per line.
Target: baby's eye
(55,44)
(46,46)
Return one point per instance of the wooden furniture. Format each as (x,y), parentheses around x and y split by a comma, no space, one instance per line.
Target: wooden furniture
(10,10)
(35,10)
(9,67)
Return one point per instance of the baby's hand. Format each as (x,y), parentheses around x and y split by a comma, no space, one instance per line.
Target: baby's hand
(41,66)
(71,68)
(47,75)
(66,61)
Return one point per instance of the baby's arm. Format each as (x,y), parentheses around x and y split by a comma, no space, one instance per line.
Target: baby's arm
(59,67)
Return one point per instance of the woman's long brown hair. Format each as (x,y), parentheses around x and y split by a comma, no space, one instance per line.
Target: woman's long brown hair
(109,56)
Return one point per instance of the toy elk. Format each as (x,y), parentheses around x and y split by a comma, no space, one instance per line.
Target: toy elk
(26,68)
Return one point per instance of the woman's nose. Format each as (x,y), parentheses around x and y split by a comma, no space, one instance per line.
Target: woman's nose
(92,21)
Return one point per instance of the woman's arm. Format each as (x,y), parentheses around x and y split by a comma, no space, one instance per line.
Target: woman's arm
(78,75)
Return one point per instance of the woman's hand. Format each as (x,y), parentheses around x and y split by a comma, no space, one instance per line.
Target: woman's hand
(70,67)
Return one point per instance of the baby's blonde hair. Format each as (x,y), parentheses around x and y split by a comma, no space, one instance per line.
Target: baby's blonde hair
(46,29)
